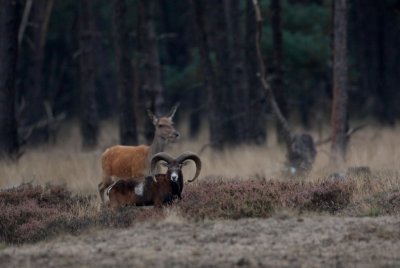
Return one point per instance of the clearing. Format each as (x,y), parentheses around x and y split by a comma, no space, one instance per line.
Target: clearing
(280,241)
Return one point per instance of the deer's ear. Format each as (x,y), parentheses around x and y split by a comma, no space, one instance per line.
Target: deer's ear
(154,119)
(171,113)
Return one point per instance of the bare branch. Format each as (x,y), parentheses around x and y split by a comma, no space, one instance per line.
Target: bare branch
(24,21)
(348,135)
(270,95)
(45,24)
(25,132)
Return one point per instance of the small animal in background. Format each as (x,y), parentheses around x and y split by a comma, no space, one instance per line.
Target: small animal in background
(133,161)
(153,190)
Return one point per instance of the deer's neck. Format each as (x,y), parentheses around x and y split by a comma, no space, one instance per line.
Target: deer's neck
(157,146)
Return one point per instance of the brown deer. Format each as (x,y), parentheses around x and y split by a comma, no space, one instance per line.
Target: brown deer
(133,161)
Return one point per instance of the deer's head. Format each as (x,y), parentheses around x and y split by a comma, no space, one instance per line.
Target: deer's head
(164,126)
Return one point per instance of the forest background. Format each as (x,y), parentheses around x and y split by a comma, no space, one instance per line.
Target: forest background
(99,60)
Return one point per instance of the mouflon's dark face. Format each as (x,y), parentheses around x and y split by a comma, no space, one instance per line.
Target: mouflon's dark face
(174,171)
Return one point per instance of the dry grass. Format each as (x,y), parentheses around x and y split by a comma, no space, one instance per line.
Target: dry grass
(65,163)
(239,182)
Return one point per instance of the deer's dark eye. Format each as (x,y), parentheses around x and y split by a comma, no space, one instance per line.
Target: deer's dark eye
(161,125)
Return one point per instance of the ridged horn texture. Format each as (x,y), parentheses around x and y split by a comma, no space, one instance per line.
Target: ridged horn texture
(195,158)
(163,156)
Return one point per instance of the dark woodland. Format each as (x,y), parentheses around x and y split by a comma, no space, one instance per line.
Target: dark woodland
(232,65)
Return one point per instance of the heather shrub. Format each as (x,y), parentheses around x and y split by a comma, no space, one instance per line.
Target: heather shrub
(117,219)
(389,202)
(219,199)
(379,204)
(31,213)
(127,216)
(329,196)
(261,198)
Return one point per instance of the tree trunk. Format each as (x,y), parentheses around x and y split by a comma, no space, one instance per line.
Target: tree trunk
(177,46)
(257,132)
(236,62)
(339,103)
(35,94)
(149,69)
(9,21)
(230,119)
(196,100)
(365,41)
(230,95)
(88,111)
(277,83)
(127,117)
(215,130)
(374,39)
(391,60)
(222,96)
(223,90)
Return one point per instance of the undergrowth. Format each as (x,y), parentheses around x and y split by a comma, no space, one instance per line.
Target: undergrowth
(30,213)
(262,198)
(379,204)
